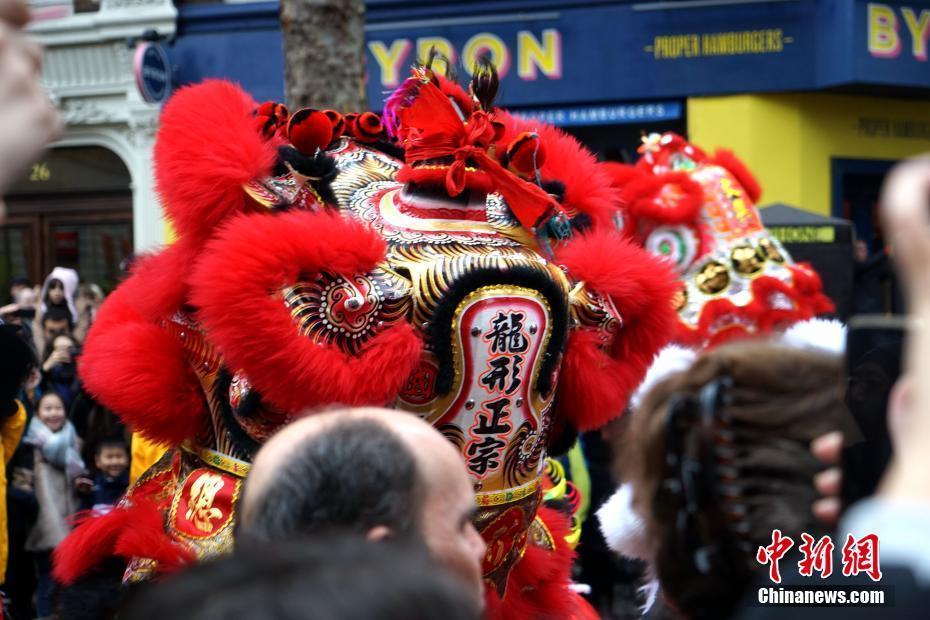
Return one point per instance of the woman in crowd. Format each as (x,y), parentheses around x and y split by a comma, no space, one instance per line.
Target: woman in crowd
(89,298)
(60,290)
(56,465)
(57,302)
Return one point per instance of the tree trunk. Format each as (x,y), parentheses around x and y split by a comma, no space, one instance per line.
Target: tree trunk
(324,54)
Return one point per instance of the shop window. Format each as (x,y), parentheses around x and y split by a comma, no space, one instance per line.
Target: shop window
(71,209)
(95,249)
(15,253)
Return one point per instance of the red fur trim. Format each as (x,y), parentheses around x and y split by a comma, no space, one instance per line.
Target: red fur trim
(140,371)
(538,584)
(588,186)
(91,542)
(621,174)
(643,197)
(119,533)
(727,159)
(768,316)
(238,276)
(208,146)
(147,539)
(808,283)
(133,366)
(759,316)
(594,385)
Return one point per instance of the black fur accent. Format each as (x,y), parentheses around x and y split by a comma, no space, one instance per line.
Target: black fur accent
(321,167)
(318,166)
(239,437)
(388,148)
(561,437)
(249,405)
(434,55)
(439,331)
(485,82)
(581,222)
(555,188)
(560,505)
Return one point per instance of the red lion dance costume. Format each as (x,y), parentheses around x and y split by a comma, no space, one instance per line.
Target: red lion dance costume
(449,260)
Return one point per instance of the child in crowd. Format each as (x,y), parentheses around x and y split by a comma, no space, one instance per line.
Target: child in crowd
(57,463)
(31,391)
(111,461)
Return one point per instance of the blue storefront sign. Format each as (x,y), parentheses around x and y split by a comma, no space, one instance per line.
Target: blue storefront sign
(593,55)
(615,114)
(612,52)
(892,42)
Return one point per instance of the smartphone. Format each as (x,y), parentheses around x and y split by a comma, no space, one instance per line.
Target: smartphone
(874,350)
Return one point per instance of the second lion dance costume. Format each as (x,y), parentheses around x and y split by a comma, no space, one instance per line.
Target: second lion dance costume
(450,260)
(698,212)
(735,280)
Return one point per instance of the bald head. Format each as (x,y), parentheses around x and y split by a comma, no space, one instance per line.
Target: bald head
(343,469)
(374,472)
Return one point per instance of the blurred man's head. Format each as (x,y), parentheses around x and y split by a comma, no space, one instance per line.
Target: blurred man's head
(374,472)
(26,299)
(56,322)
(17,285)
(860,250)
(333,578)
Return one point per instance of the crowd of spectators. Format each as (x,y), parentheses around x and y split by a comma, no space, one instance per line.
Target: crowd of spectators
(73,454)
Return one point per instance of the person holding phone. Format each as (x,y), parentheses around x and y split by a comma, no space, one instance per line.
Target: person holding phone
(900,509)
(59,369)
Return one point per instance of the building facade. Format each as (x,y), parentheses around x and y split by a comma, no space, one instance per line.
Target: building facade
(89,203)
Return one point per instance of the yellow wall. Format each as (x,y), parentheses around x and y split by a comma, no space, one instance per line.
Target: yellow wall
(788,140)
